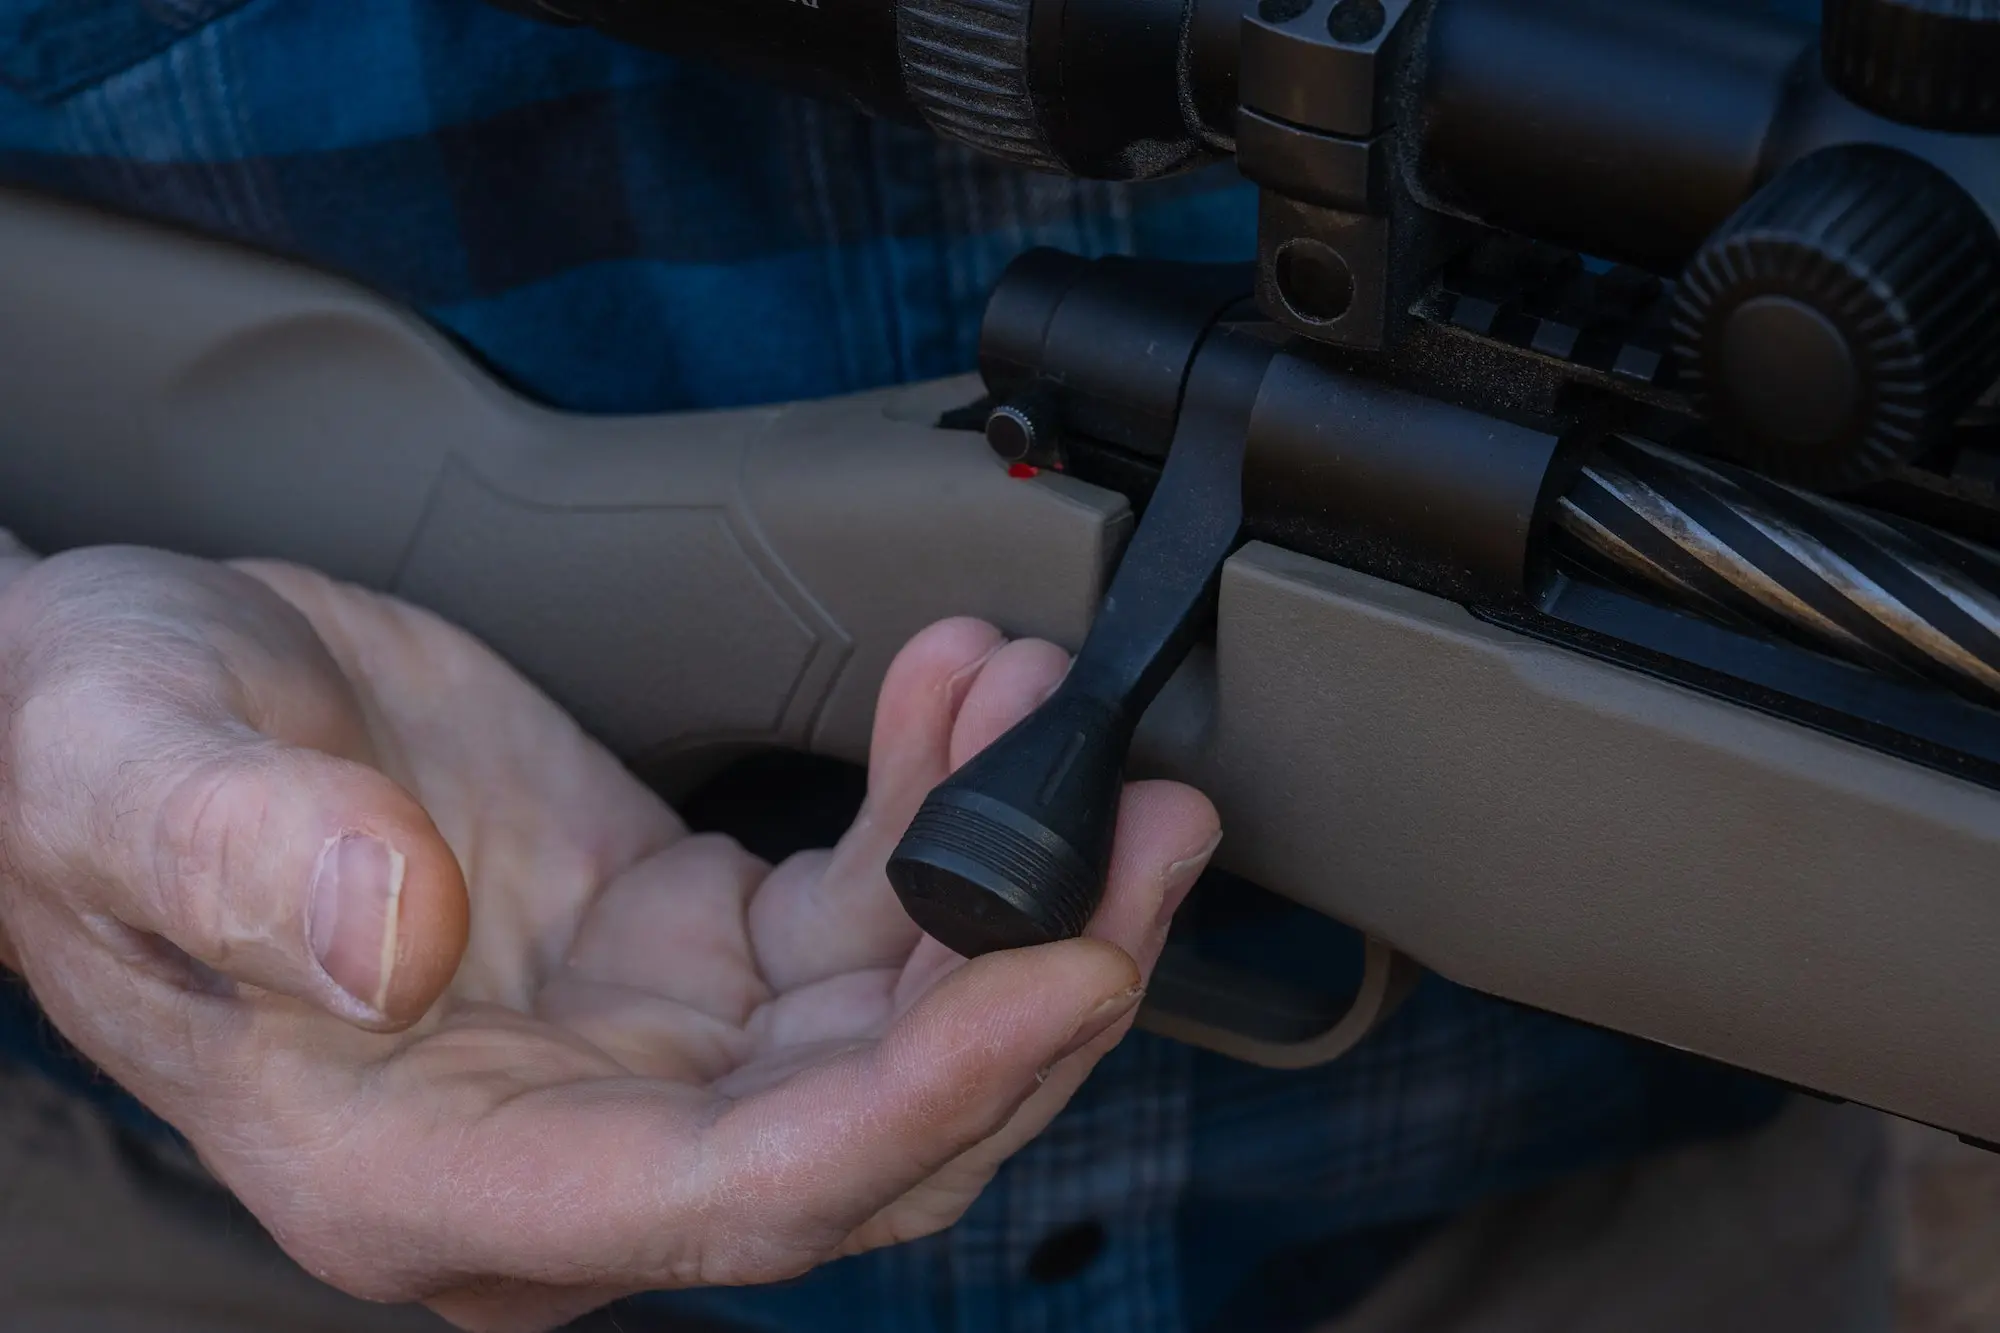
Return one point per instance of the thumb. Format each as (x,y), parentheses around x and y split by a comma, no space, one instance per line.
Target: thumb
(824,1151)
(293,871)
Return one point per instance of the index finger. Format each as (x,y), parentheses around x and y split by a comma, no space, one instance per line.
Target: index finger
(828,913)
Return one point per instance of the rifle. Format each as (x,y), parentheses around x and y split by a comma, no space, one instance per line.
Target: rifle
(1565,555)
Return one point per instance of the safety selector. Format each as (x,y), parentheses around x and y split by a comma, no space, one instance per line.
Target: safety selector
(1013,849)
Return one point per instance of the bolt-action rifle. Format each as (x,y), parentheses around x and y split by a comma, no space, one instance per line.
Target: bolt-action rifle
(1567,554)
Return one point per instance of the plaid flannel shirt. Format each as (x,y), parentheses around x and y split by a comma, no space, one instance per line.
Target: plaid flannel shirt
(611,230)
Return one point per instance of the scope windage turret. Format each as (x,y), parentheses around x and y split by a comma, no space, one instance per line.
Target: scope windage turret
(1110,89)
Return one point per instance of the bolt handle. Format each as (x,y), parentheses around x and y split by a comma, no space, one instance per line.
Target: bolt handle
(1012,850)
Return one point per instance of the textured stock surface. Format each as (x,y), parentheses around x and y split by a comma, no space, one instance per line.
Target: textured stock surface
(675,581)
(1546,827)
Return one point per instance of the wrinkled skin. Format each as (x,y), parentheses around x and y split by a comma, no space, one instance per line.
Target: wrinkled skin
(536,1047)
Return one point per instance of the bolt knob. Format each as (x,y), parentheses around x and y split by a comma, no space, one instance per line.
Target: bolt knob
(1930,63)
(1844,319)
(1012,850)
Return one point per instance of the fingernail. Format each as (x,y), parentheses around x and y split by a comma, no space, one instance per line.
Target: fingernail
(1180,880)
(961,680)
(356,893)
(1097,1020)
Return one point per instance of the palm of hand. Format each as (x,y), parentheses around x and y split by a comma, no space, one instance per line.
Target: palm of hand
(657,1061)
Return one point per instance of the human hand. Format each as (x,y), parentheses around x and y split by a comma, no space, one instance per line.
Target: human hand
(456,1006)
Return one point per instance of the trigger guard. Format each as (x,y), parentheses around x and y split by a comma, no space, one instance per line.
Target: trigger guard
(1182,1006)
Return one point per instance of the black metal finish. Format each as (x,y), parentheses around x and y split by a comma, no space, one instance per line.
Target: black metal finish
(1923,62)
(1462,502)
(1327,88)
(1844,320)
(1606,328)
(1110,342)
(1092,87)
(966,67)
(1627,130)
(1387,135)
(1116,89)
(1400,486)
(1923,726)
(1213,46)
(1012,850)
(839,50)
(1109,77)
(1314,168)
(1333,66)
(1028,430)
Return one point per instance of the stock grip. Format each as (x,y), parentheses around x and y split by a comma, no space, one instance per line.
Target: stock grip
(685,585)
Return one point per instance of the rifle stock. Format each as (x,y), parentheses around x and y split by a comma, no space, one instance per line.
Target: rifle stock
(680,582)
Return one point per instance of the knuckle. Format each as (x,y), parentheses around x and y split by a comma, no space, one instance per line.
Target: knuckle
(211,825)
(722,857)
(91,715)
(39,779)
(56,813)
(137,820)
(44,610)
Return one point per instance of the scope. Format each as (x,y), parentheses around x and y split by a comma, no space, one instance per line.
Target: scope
(1389,135)
(1108,89)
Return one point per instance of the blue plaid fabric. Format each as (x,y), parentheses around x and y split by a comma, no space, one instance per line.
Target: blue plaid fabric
(610,230)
